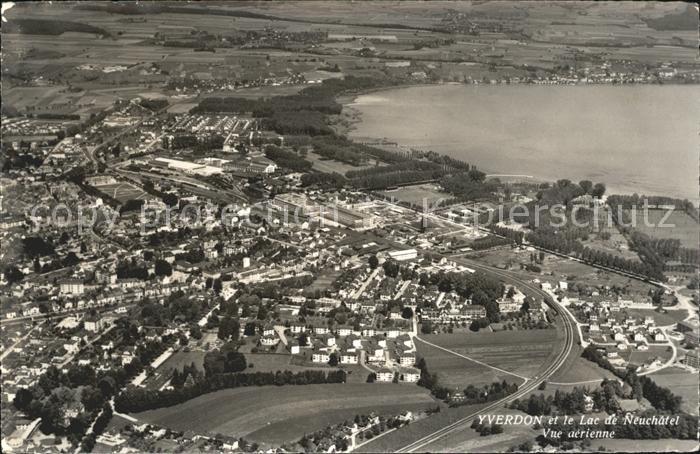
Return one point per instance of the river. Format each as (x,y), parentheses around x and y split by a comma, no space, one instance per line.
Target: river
(634,138)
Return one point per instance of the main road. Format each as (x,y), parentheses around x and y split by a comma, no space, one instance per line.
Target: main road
(421,444)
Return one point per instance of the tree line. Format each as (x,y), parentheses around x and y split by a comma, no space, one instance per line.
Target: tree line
(138,399)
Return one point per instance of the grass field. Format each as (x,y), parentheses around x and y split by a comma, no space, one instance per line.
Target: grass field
(417,194)
(684,227)
(330,165)
(521,352)
(123,191)
(683,384)
(277,415)
(580,370)
(670,317)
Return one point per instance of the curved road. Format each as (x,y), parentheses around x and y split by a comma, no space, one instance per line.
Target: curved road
(529,386)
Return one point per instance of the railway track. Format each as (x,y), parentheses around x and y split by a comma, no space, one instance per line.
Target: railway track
(530,385)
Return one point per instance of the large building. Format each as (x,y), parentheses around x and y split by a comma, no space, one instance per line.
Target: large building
(691,330)
(72,287)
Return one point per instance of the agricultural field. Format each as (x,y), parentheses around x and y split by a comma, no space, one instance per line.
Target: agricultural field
(469,440)
(578,370)
(417,195)
(682,383)
(277,415)
(520,352)
(684,228)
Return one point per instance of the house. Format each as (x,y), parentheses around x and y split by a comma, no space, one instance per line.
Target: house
(385,375)
(297,328)
(294,348)
(376,354)
(407,359)
(659,337)
(409,374)
(94,324)
(320,356)
(348,358)
(268,330)
(344,331)
(269,340)
(321,330)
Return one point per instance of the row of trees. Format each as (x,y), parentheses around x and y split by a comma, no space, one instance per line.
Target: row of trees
(139,399)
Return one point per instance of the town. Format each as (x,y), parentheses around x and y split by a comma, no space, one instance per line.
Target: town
(198,255)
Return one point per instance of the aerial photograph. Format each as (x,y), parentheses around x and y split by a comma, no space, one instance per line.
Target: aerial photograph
(349,226)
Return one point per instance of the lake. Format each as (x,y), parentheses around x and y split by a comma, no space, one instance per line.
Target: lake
(636,138)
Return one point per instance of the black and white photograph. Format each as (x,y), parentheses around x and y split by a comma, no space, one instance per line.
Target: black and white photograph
(340,226)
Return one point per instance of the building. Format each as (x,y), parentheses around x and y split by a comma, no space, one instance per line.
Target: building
(692,359)
(320,357)
(348,358)
(72,287)
(690,329)
(407,359)
(400,256)
(409,374)
(385,375)
(94,324)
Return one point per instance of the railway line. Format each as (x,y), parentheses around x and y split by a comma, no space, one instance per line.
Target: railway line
(423,443)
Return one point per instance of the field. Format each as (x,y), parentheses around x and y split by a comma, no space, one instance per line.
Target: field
(277,415)
(430,193)
(683,384)
(520,352)
(580,370)
(330,165)
(469,440)
(670,317)
(123,191)
(684,228)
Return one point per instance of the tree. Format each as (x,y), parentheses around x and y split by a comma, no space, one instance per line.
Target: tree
(23,398)
(13,274)
(407,313)
(333,359)
(586,185)
(373,261)
(371,378)
(163,268)
(598,190)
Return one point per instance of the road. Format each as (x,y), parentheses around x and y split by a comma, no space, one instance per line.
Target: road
(423,443)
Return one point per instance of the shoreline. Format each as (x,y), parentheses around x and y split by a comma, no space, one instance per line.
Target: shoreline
(354,117)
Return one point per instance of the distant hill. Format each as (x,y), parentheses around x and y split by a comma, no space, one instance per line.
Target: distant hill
(687,20)
(49,27)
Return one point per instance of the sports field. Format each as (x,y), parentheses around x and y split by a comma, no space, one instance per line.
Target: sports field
(277,415)
(430,193)
(123,191)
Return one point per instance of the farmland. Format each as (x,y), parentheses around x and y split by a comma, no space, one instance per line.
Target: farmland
(277,415)
(520,352)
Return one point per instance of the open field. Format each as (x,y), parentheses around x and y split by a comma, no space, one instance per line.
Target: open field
(580,370)
(329,165)
(685,228)
(669,317)
(469,440)
(123,191)
(665,445)
(520,352)
(430,193)
(683,384)
(277,415)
